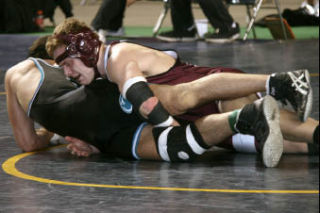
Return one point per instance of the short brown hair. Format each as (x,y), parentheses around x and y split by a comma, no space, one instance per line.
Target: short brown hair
(69,25)
(38,48)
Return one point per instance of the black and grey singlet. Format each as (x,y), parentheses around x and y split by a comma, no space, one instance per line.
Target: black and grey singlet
(93,113)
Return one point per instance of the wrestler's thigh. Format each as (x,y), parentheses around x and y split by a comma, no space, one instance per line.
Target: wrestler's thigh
(238,103)
(147,147)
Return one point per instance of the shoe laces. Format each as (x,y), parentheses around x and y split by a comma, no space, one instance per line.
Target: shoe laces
(299,84)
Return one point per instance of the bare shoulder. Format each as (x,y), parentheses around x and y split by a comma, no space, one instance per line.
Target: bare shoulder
(24,71)
(19,69)
(126,48)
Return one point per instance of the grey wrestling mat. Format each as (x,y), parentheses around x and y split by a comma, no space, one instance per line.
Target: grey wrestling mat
(54,181)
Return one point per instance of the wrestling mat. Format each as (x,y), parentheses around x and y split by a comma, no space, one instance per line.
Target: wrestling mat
(54,181)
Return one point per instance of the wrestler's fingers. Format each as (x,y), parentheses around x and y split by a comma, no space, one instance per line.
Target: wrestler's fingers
(80,152)
(74,140)
(84,154)
(73,149)
(77,142)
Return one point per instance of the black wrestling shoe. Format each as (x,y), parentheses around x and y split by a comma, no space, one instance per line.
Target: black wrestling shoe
(173,36)
(292,89)
(262,120)
(224,36)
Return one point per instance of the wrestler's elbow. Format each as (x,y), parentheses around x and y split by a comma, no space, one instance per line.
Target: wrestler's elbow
(31,145)
(28,149)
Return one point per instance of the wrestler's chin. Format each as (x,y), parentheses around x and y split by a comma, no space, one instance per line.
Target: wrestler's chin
(83,81)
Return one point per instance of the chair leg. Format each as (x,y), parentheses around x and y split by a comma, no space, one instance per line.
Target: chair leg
(281,20)
(161,18)
(250,17)
(255,13)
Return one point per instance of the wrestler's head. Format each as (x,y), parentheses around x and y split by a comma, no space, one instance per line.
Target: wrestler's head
(38,48)
(75,47)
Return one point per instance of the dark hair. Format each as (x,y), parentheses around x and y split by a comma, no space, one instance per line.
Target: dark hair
(38,48)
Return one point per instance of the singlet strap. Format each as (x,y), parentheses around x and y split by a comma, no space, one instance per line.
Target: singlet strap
(106,57)
(39,85)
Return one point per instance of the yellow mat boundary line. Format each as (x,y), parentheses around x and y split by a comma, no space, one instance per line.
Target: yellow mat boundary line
(314,74)
(9,167)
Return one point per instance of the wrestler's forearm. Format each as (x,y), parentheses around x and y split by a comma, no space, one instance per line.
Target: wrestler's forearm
(33,144)
(134,87)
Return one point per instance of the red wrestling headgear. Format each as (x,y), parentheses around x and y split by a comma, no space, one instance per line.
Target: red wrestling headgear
(84,45)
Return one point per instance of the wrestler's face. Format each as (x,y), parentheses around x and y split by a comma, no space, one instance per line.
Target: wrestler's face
(74,68)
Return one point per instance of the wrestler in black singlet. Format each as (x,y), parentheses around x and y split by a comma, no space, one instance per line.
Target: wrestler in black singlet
(91,113)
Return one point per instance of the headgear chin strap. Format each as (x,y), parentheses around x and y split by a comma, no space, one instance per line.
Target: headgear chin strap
(84,45)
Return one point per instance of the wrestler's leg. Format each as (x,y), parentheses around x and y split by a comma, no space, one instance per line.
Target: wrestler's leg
(293,87)
(218,86)
(297,134)
(213,129)
(295,130)
(147,147)
(292,128)
(184,143)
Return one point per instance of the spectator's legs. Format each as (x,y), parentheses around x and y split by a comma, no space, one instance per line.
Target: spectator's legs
(226,29)
(183,23)
(181,15)
(217,14)
(117,21)
(110,15)
(65,6)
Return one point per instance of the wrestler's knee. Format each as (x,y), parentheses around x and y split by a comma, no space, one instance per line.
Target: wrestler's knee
(182,99)
(180,143)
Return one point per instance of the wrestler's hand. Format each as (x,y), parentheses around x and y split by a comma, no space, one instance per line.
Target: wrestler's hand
(80,148)
(147,107)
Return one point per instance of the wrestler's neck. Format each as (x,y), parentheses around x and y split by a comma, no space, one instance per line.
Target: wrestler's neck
(100,64)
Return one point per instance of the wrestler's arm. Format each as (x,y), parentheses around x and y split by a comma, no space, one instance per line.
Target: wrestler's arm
(27,138)
(126,73)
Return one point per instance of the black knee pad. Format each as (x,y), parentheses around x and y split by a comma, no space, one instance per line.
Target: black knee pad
(176,144)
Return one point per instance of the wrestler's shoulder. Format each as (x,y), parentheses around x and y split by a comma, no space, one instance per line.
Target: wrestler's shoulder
(20,70)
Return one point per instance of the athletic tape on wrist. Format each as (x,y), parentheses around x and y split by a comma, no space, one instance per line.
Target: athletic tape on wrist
(166,123)
(130,82)
(137,91)
(159,116)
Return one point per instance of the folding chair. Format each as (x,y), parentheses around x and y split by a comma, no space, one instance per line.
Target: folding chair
(255,6)
(157,26)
